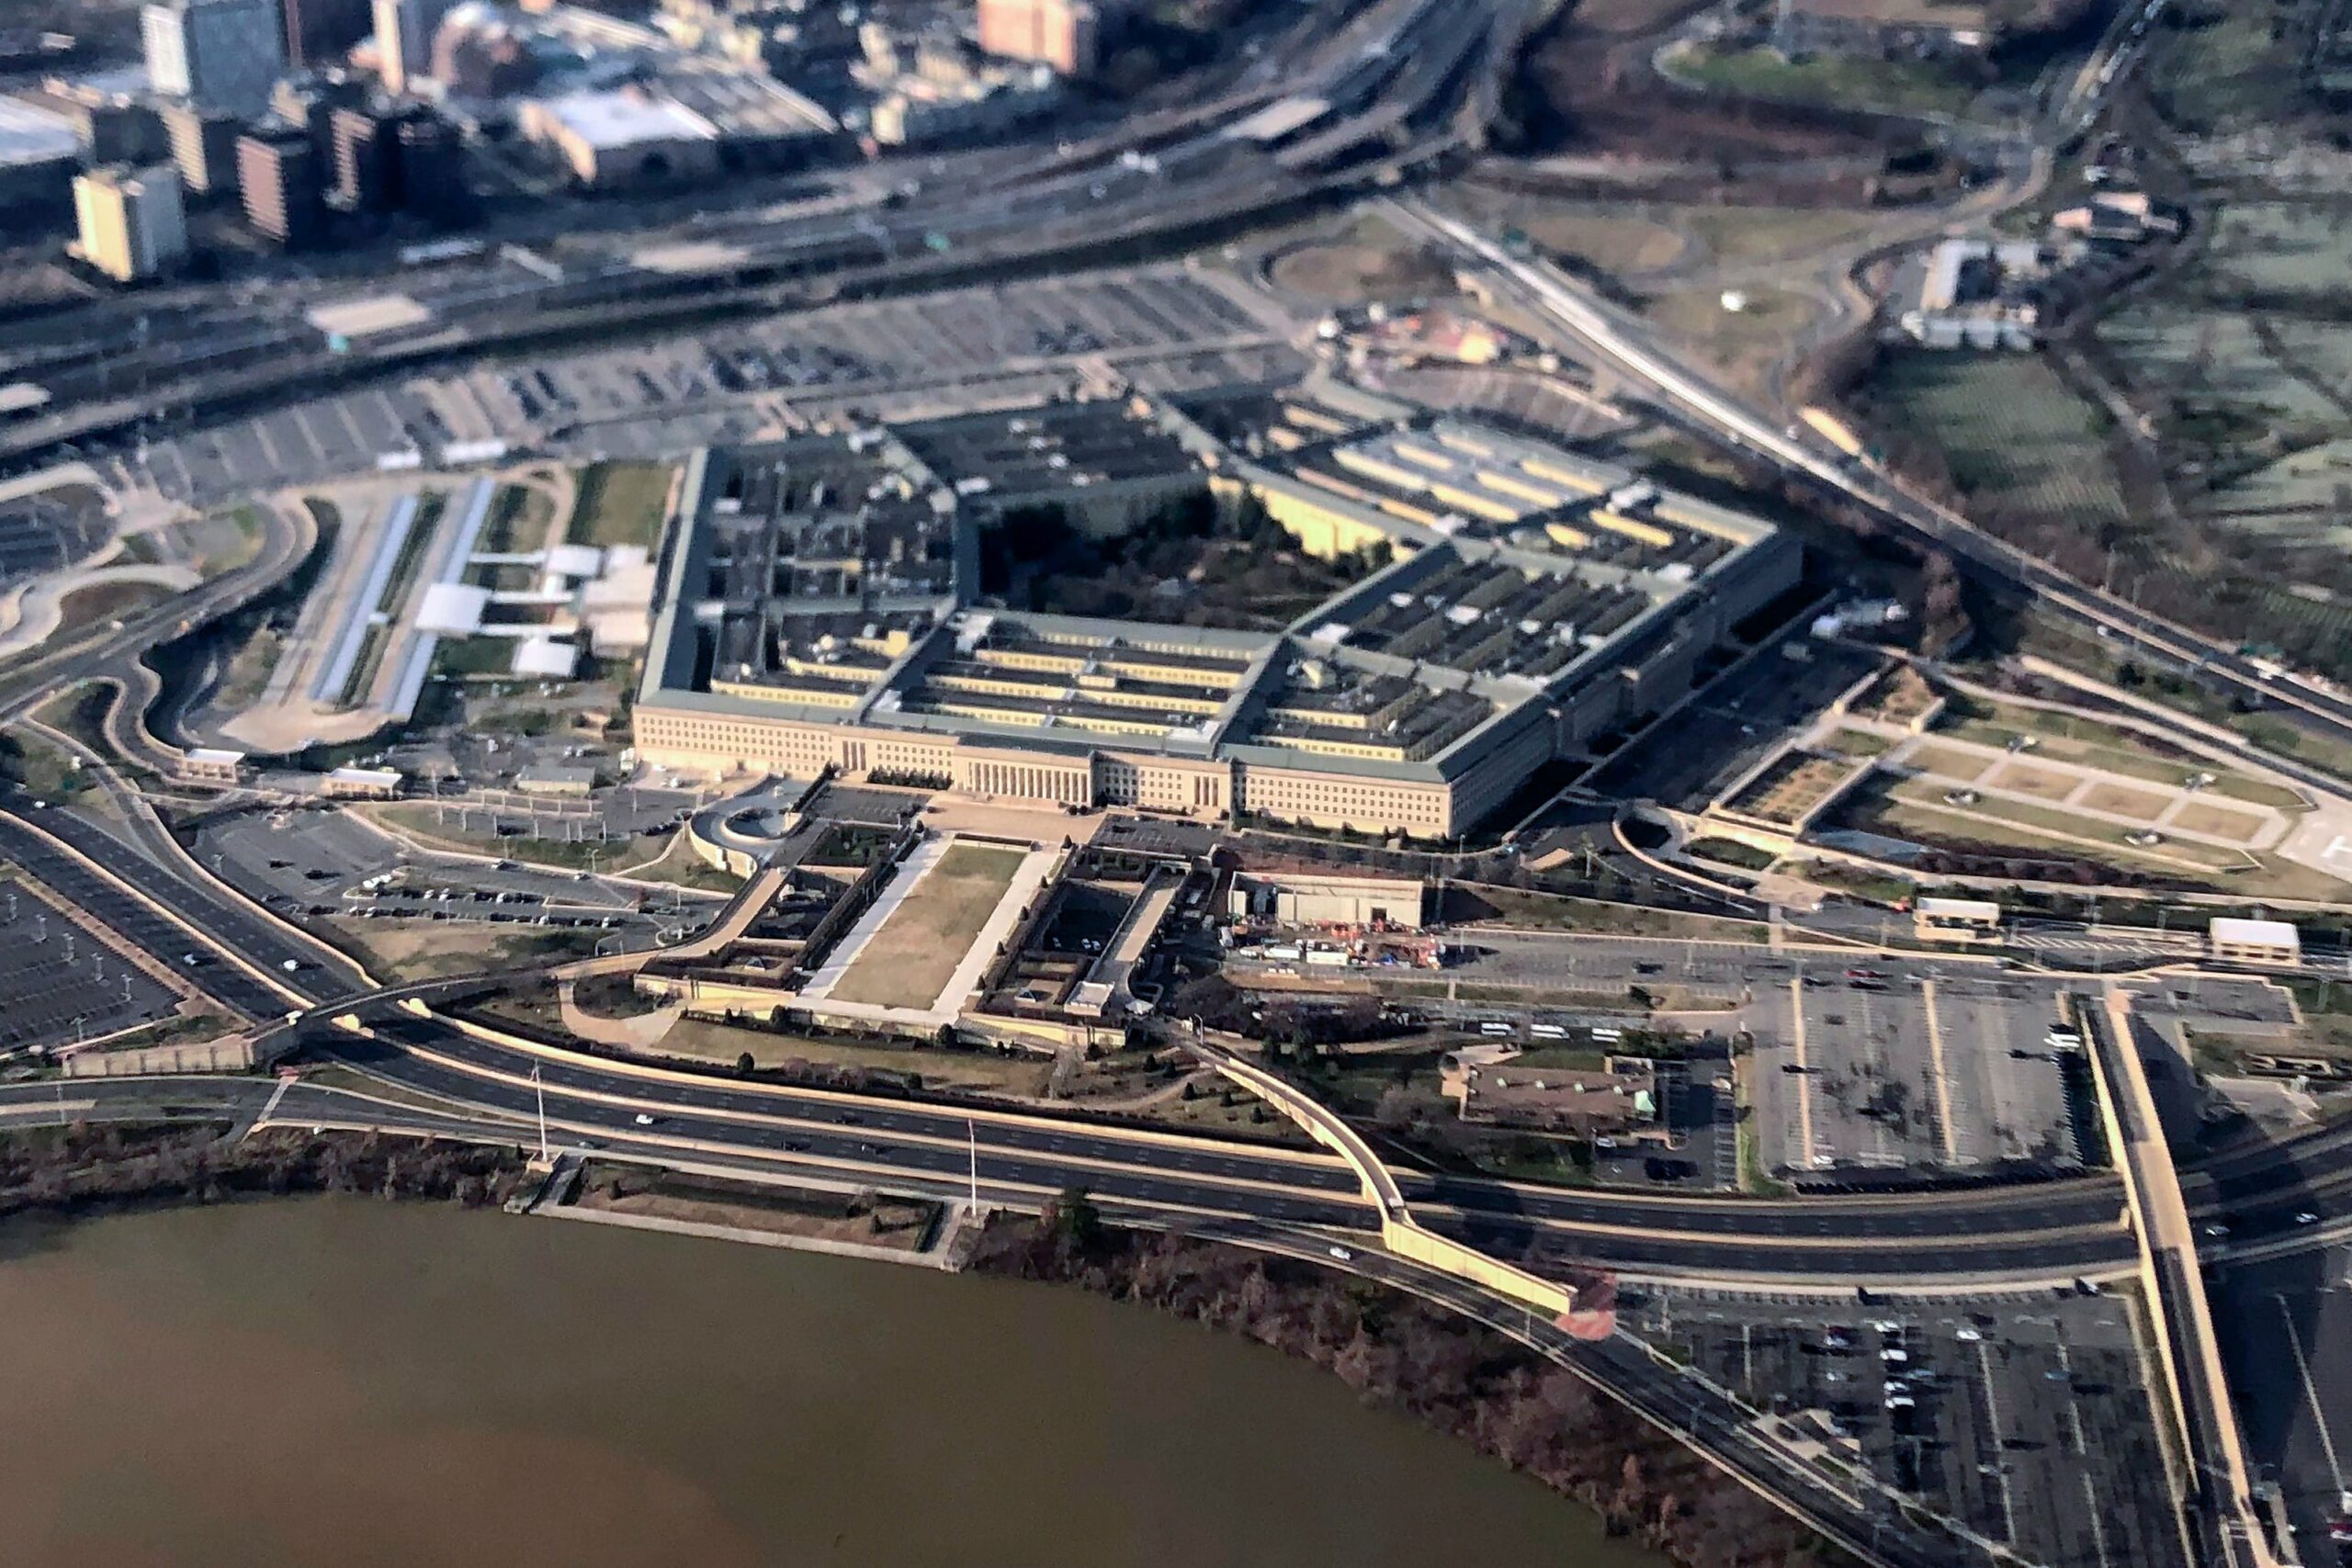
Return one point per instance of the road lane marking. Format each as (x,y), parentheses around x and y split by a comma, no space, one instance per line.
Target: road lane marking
(2310,1391)
(1804,1074)
(1936,1064)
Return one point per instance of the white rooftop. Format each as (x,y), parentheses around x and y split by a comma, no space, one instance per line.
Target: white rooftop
(625,117)
(2254,933)
(31,135)
(365,318)
(544,655)
(691,257)
(214,754)
(576,561)
(452,609)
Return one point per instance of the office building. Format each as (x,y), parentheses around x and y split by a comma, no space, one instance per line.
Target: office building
(1064,34)
(390,156)
(132,223)
(203,147)
(113,126)
(405,31)
(628,138)
(223,53)
(283,181)
(432,170)
(1533,599)
(39,152)
(365,153)
(321,32)
(308,99)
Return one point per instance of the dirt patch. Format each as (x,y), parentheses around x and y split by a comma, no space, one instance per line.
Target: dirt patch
(1356,274)
(2040,782)
(2136,803)
(1947,763)
(2215,823)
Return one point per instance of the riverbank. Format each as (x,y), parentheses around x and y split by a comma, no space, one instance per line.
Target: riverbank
(1451,1375)
(89,1169)
(1459,1376)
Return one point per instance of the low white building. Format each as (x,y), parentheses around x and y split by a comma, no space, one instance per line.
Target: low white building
(2270,944)
(623,138)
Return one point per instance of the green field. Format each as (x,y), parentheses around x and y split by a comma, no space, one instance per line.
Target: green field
(620,504)
(909,961)
(2014,437)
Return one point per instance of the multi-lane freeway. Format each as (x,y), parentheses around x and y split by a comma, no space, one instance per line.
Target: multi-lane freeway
(1379,83)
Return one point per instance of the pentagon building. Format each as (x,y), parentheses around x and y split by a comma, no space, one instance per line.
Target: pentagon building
(818,608)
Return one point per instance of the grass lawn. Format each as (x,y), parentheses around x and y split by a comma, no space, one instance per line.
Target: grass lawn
(1859,743)
(1871,885)
(1902,86)
(88,609)
(708,1040)
(1741,343)
(620,856)
(418,950)
(620,504)
(1553,912)
(1731,852)
(2110,749)
(910,959)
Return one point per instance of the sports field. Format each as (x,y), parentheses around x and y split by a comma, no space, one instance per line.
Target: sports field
(911,957)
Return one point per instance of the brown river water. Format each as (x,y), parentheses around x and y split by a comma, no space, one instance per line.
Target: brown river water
(356,1383)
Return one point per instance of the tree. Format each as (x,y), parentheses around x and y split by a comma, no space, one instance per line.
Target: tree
(1074,1219)
(744,1063)
(1945,615)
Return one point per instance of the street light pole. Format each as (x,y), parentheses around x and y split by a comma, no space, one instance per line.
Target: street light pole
(540,1090)
(972,1144)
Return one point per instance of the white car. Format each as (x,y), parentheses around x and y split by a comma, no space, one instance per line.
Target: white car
(1343,1255)
(644,1120)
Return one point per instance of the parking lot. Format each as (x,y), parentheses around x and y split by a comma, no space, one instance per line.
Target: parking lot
(59,984)
(1953,1071)
(1730,727)
(2285,1330)
(166,942)
(2025,1417)
(313,863)
(1161,329)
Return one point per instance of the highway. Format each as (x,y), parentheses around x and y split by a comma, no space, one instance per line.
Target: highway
(1391,74)
(1615,338)
(2057,1233)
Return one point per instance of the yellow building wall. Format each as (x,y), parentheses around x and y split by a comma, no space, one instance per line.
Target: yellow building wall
(1320,531)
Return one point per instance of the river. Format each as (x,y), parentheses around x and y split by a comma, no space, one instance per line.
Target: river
(368,1383)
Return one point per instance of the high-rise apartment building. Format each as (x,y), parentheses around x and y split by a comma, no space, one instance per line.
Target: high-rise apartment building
(280,174)
(1064,34)
(222,53)
(432,170)
(132,223)
(404,33)
(203,146)
(321,32)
